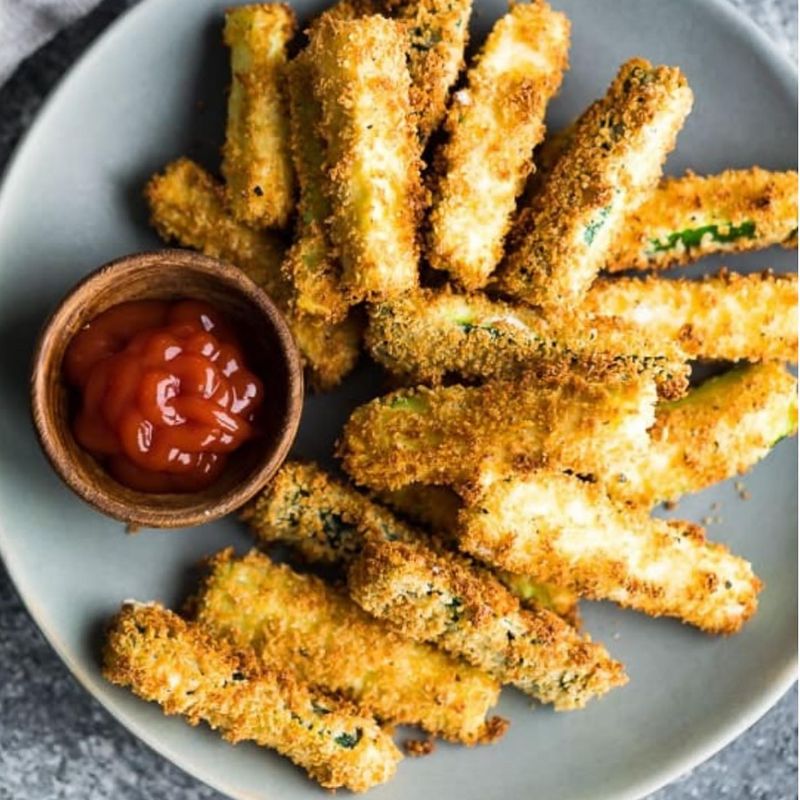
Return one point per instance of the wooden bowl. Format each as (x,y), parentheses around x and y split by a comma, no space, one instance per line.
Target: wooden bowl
(272,354)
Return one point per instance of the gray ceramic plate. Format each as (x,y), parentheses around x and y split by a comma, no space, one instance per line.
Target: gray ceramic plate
(71,200)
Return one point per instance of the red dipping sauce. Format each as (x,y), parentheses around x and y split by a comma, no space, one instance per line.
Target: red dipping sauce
(165,393)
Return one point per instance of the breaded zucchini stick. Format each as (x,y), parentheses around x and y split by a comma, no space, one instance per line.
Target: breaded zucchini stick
(186,205)
(438,31)
(323,519)
(437,507)
(719,430)
(561,529)
(327,522)
(310,266)
(299,623)
(180,666)
(493,125)
(727,317)
(426,335)
(374,162)
(693,216)
(255,159)
(466,612)
(606,170)
(441,436)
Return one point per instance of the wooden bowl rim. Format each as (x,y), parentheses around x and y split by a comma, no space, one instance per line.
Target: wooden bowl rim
(144,512)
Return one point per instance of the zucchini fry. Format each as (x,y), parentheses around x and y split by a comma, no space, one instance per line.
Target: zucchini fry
(437,32)
(323,519)
(186,205)
(362,82)
(726,317)
(441,436)
(328,522)
(297,622)
(437,507)
(493,126)
(255,159)
(563,530)
(719,430)
(162,658)
(690,217)
(466,612)
(311,267)
(426,335)
(606,170)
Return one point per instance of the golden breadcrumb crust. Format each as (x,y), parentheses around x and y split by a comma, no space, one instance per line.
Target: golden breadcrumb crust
(562,529)
(323,519)
(441,436)
(467,612)
(179,665)
(437,507)
(255,159)
(373,156)
(719,430)
(186,205)
(727,316)
(310,265)
(299,623)
(690,217)
(493,125)
(430,334)
(609,165)
(327,522)
(437,31)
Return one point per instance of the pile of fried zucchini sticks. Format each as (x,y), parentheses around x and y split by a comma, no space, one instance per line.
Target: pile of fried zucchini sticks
(541,408)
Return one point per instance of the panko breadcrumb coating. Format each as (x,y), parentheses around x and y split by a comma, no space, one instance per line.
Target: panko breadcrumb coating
(564,530)
(437,32)
(720,429)
(327,522)
(437,507)
(427,335)
(298,623)
(255,159)
(493,124)
(162,658)
(609,165)
(311,266)
(693,216)
(726,317)
(467,612)
(442,435)
(373,156)
(186,205)
(323,519)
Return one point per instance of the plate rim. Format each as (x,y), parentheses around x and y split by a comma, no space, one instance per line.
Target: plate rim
(750,711)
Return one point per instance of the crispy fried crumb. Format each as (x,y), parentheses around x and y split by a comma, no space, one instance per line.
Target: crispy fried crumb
(419,747)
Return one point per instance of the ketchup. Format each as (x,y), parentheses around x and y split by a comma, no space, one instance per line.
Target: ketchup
(165,394)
